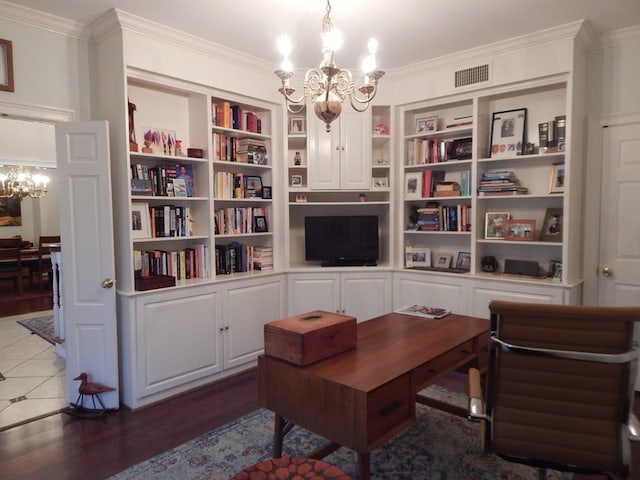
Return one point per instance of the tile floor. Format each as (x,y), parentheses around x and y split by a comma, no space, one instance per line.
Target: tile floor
(31,369)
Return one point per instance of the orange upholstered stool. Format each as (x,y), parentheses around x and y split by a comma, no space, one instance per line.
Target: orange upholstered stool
(291,468)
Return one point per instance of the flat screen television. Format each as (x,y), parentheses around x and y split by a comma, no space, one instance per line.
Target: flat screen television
(342,240)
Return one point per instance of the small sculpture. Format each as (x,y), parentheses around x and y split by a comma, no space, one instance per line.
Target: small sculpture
(178,148)
(92,390)
(133,145)
(297,159)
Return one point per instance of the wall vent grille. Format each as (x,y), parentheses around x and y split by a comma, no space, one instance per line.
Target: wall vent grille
(472,75)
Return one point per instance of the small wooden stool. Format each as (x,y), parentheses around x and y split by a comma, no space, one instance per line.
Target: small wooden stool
(290,468)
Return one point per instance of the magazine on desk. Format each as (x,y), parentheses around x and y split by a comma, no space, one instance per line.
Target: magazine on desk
(423,311)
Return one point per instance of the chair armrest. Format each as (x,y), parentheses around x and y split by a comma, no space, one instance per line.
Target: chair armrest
(476,403)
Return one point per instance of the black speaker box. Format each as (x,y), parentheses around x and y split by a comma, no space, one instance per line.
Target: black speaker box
(521,267)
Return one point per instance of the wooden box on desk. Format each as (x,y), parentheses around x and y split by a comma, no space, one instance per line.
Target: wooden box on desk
(309,337)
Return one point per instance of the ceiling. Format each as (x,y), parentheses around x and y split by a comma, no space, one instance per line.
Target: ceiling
(408,31)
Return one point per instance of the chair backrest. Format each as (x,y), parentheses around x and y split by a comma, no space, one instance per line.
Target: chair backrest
(10,260)
(45,242)
(551,405)
(13,242)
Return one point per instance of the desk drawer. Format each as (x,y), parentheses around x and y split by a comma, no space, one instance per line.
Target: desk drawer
(389,407)
(445,363)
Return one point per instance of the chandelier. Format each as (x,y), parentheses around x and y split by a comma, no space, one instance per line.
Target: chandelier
(328,86)
(20,182)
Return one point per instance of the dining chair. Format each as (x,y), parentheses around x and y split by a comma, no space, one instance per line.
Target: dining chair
(11,267)
(43,265)
(559,388)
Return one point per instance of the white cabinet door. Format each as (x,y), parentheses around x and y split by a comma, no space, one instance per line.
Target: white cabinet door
(340,159)
(313,291)
(365,295)
(431,290)
(482,293)
(247,306)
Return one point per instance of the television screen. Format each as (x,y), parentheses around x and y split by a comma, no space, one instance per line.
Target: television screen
(346,240)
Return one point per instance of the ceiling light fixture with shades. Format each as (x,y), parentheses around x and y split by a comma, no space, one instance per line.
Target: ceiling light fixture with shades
(19,182)
(328,86)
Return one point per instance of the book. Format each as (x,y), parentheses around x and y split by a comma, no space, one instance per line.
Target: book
(424,311)
(179,187)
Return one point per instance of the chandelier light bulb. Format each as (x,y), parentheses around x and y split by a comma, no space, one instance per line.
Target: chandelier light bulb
(284,46)
(286,65)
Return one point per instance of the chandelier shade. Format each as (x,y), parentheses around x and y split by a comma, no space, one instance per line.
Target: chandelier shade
(327,86)
(20,182)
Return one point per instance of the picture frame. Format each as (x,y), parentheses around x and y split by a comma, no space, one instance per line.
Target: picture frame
(6,66)
(552,225)
(10,212)
(443,260)
(297,125)
(556,178)
(253,187)
(159,141)
(266,192)
(555,270)
(140,223)
(296,181)
(380,182)
(413,185)
(260,224)
(508,130)
(520,230)
(464,261)
(426,124)
(417,257)
(494,225)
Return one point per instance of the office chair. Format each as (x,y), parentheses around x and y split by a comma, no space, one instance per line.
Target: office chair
(559,387)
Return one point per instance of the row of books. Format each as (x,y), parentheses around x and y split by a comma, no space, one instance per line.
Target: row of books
(170,221)
(236,257)
(433,150)
(444,218)
(228,148)
(163,180)
(236,185)
(552,134)
(236,117)
(237,220)
(500,182)
(191,262)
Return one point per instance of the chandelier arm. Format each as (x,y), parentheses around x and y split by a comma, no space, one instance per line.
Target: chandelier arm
(356,102)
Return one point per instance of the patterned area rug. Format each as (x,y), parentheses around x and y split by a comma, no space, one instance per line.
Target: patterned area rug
(437,446)
(41,326)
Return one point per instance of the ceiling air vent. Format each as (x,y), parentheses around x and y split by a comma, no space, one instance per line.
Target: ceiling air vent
(472,75)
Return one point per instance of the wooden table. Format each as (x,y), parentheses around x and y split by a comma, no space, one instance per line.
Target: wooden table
(361,398)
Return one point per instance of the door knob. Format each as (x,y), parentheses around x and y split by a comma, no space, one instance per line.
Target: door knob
(107,283)
(607,272)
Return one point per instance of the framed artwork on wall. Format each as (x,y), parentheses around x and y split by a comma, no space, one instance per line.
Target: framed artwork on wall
(508,130)
(6,66)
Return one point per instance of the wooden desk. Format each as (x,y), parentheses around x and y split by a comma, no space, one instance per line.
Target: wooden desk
(361,398)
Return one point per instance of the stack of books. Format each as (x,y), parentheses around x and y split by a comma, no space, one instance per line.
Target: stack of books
(263,258)
(500,182)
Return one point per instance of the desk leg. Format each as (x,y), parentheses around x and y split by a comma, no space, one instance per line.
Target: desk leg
(364,466)
(278,435)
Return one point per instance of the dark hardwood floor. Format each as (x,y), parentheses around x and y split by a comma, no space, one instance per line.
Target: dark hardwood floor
(65,447)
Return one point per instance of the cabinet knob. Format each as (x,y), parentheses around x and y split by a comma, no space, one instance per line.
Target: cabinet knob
(607,272)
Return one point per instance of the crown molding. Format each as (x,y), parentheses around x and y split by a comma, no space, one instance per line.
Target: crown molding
(186,41)
(561,32)
(618,37)
(43,21)
(38,113)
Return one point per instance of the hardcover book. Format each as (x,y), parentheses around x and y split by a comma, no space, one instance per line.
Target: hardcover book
(424,311)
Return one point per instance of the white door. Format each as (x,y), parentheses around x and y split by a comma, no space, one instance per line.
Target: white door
(619,256)
(86,230)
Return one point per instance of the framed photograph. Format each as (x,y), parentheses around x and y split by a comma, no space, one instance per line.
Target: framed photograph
(159,141)
(416,257)
(508,130)
(443,260)
(6,66)
(296,181)
(266,192)
(253,187)
(464,260)
(140,220)
(426,124)
(297,125)
(555,270)
(556,178)
(552,226)
(260,224)
(380,182)
(494,225)
(519,230)
(413,185)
